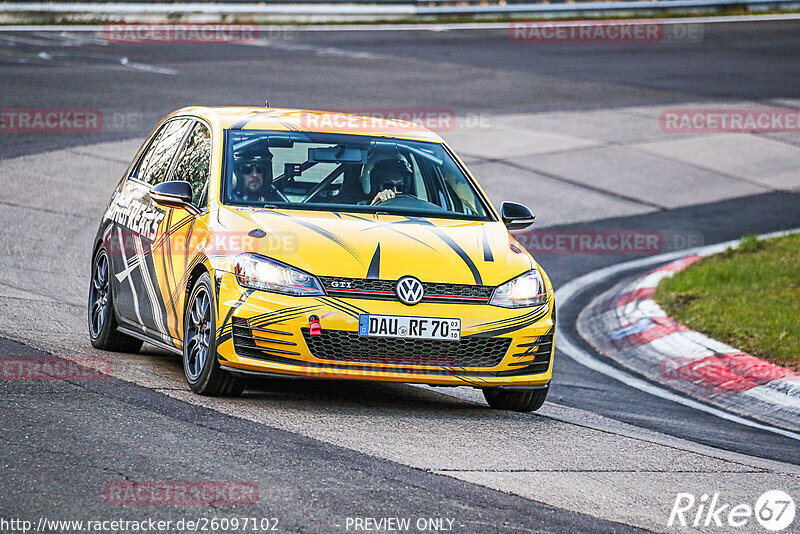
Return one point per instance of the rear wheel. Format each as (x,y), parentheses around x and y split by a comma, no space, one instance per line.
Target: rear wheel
(200,364)
(518,401)
(102,322)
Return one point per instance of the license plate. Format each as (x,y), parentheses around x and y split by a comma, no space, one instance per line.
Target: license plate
(401,326)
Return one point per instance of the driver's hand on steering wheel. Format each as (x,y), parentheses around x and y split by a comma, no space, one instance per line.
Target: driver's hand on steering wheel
(383,196)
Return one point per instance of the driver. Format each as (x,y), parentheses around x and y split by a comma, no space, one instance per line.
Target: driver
(254,179)
(388,178)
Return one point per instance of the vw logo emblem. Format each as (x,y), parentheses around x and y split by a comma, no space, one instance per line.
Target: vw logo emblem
(409,290)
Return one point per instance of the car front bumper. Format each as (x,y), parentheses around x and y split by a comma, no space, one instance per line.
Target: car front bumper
(268,333)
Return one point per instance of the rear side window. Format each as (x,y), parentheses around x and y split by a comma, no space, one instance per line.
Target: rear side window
(156,162)
(195,161)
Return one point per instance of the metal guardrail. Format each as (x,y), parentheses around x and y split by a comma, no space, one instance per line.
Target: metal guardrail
(593,6)
(372,8)
(426,3)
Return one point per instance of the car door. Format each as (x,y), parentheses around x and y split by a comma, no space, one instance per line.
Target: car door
(180,233)
(133,236)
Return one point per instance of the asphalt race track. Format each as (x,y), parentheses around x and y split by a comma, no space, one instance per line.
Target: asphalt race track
(571,129)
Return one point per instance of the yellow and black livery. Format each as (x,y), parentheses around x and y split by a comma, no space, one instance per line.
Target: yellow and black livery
(174,252)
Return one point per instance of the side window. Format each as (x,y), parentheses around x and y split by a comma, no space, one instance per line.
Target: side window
(156,162)
(419,183)
(194,163)
(461,193)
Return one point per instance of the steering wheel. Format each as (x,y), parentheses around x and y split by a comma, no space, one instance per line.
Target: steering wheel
(404,200)
(381,201)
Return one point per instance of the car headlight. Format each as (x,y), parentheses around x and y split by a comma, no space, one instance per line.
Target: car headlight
(258,272)
(527,289)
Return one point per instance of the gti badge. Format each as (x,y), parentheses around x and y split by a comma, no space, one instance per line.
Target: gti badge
(409,290)
(342,284)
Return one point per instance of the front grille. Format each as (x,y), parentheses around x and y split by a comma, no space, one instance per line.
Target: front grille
(261,343)
(345,346)
(364,288)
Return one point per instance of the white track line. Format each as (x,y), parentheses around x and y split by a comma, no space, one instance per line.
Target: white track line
(423,27)
(577,286)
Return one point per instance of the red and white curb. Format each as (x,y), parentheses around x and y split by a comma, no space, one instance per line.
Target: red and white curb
(628,326)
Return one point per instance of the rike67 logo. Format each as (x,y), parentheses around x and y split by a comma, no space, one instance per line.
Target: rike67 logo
(774,510)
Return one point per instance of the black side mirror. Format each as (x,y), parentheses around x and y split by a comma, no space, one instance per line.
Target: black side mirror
(176,194)
(516,216)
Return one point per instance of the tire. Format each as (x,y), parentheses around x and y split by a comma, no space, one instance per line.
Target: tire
(102,320)
(517,401)
(200,365)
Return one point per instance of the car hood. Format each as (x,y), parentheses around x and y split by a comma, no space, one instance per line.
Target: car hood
(358,245)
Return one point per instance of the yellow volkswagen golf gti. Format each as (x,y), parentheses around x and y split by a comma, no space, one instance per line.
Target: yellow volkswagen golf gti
(309,244)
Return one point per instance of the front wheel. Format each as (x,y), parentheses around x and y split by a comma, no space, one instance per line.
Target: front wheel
(518,401)
(200,363)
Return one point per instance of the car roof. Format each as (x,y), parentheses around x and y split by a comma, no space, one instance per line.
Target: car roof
(302,120)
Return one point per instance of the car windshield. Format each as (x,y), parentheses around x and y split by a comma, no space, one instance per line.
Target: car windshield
(346,173)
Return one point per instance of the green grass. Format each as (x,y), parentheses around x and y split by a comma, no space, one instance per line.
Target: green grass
(748,298)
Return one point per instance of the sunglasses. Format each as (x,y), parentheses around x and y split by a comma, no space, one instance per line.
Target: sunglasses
(249,168)
(397,185)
